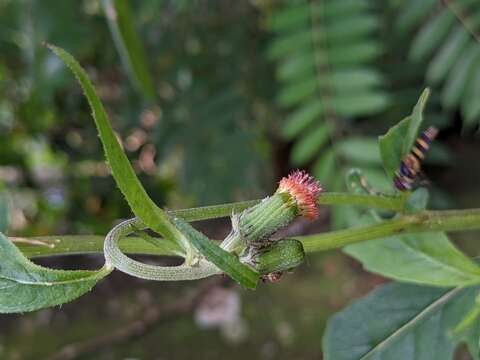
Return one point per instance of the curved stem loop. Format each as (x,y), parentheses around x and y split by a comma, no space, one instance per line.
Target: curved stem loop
(115,258)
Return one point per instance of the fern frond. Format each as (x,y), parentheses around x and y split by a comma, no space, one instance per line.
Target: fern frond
(445,39)
(324,52)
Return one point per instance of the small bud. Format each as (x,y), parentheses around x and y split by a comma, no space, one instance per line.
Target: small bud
(283,255)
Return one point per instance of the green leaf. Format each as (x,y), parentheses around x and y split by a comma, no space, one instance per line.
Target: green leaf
(306,148)
(357,104)
(140,203)
(424,258)
(26,286)
(359,150)
(470,104)
(398,321)
(431,35)
(399,139)
(413,13)
(224,260)
(391,145)
(300,119)
(129,45)
(447,55)
(460,75)
(324,167)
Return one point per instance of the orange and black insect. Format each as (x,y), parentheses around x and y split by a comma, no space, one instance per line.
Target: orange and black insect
(410,166)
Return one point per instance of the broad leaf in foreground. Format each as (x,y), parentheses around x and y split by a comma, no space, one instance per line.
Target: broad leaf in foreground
(25,286)
(398,321)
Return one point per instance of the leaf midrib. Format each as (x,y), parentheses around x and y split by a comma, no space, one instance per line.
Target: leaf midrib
(442,300)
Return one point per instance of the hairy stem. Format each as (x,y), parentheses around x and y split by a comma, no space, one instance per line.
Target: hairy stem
(447,220)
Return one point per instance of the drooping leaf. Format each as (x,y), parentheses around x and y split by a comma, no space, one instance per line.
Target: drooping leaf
(398,321)
(243,274)
(424,258)
(129,45)
(125,177)
(399,139)
(25,286)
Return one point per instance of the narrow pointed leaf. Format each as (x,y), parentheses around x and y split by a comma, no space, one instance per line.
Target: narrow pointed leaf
(139,201)
(224,260)
(129,45)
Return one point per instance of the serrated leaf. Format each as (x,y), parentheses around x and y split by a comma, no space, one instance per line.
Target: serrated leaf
(399,139)
(123,173)
(243,274)
(398,321)
(26,286)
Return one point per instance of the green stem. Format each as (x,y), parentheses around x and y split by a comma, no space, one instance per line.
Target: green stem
(41,246)
(214,211)
(447,220)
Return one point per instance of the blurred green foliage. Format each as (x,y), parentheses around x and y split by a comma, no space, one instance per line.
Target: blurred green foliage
(214,101)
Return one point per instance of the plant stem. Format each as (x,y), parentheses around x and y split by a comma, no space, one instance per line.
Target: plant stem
(447,220)
(214,211)
(86,244)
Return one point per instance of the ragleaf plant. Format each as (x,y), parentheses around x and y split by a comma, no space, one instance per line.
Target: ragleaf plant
(397,237)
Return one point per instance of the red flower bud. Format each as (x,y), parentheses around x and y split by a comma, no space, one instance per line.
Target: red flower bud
(304,189)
